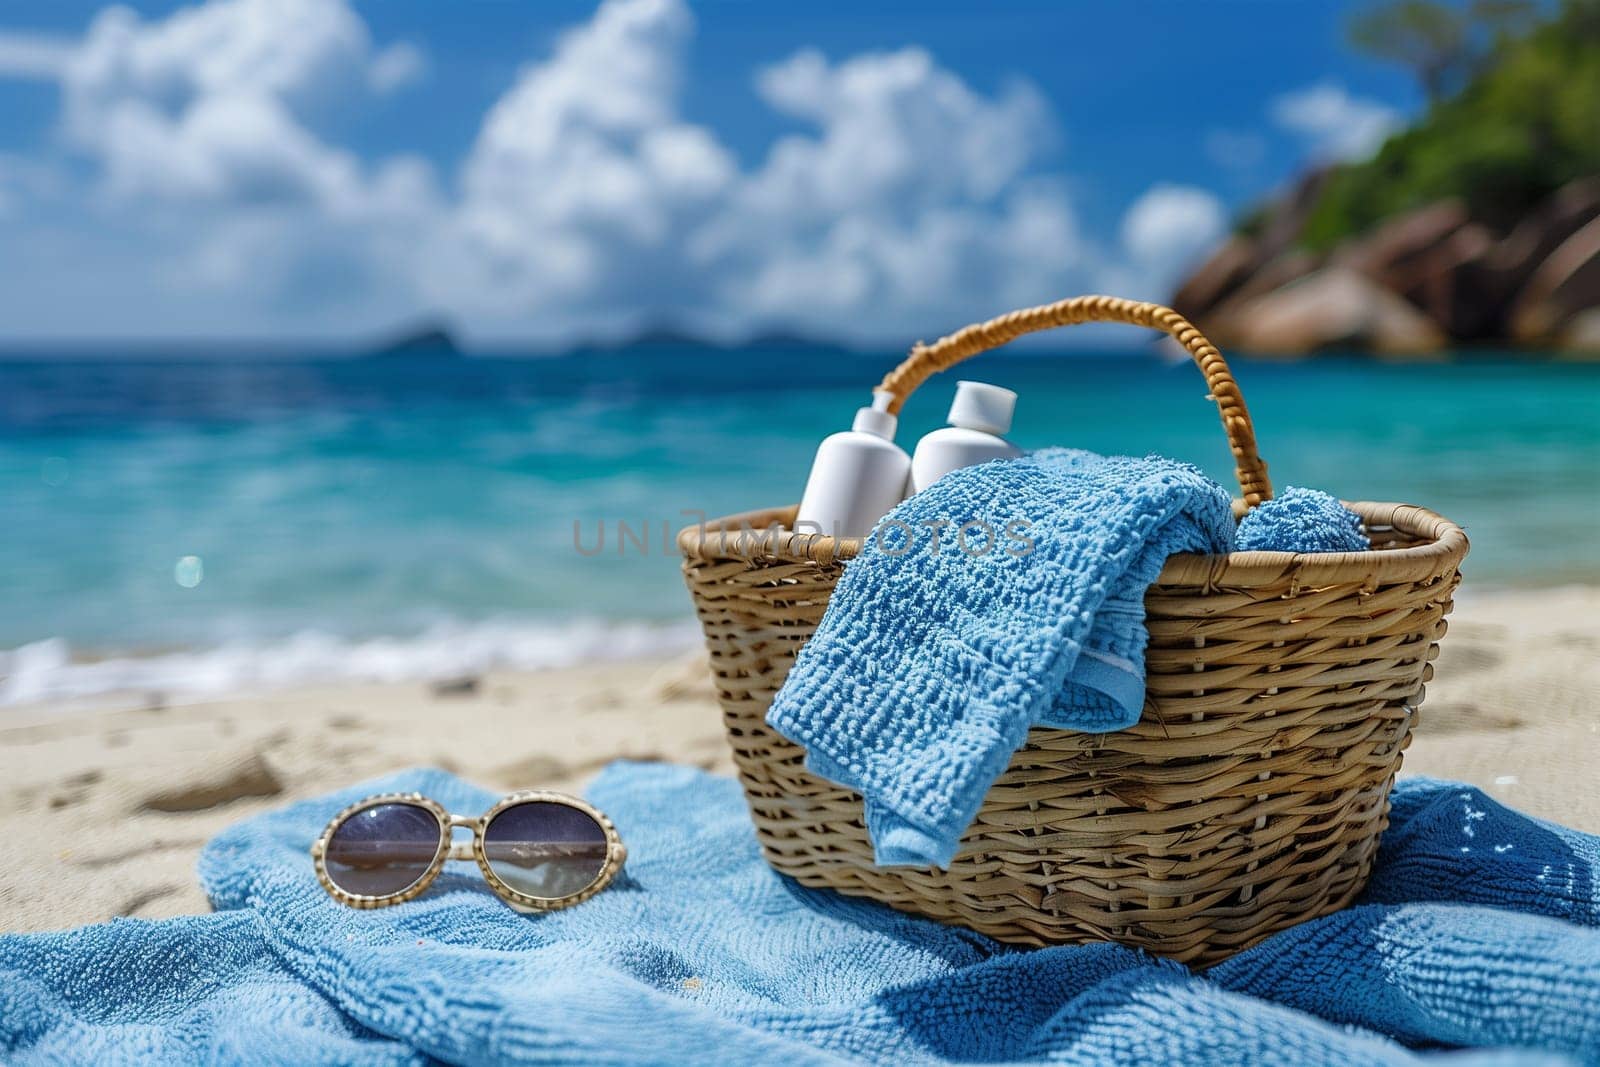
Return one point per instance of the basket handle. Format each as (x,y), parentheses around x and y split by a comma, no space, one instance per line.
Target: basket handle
(927,360)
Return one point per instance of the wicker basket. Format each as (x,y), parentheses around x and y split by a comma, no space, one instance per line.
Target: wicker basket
(1281,690)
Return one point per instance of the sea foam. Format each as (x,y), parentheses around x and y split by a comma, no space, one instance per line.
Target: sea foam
(52,671)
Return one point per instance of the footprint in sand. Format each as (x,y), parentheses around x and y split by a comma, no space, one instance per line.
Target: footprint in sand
(74,790)
(251,776)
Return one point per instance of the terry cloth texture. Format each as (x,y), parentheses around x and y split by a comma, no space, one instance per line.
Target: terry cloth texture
(1301,520)
(935,657)
(1478,930)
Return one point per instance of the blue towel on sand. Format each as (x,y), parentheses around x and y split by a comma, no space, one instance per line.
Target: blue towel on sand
(1479,929)
(934,660)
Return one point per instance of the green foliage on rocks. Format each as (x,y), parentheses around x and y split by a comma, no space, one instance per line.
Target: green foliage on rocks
(1515,114)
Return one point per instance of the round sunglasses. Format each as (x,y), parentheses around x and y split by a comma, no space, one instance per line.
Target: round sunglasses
(538,850)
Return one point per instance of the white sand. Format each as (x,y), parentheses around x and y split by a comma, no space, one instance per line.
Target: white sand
(114,806)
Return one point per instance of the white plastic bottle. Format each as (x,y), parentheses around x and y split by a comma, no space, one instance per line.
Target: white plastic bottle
(980,416)
(857,477)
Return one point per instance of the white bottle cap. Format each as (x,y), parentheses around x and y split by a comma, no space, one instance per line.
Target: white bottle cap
(876,420)
(979,406)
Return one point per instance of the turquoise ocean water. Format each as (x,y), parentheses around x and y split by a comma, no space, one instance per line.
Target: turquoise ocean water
(196,525)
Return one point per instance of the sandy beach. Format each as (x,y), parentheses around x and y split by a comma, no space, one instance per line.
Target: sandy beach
(117,804)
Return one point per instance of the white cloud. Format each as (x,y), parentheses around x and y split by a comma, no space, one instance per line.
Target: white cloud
(912,185)
(908,203)
(583,183)
(588,201)
(32,55)
(883,117)
(1334,125)
(233,147)
(400,65)
(209,104)
(211,204)
(1170,225)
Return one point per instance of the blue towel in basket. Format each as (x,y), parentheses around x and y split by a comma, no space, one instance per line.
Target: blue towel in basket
(1479,930)
(1301,520)
(935,658)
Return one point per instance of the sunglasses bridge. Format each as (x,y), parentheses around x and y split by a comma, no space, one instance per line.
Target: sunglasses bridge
(462,850)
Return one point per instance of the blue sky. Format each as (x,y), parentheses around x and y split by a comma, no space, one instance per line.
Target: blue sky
(322,169)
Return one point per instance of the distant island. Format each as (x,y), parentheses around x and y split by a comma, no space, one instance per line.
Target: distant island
(676,335)
(433,339)
(1477,226)
(436,339)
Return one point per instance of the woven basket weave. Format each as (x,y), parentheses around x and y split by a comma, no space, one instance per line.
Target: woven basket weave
(1281,690)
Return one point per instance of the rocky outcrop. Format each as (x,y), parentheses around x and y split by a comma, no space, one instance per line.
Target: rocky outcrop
(1230,266)
(1584,333)
(1565,286)
(1454,286)
(1335,307)
(1280,271)
(1546,229)
(1395,253)
(1433,258)
(1221,277)
(1427,278)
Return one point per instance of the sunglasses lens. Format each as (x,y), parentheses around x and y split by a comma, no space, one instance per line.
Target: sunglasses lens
(546,850)
(383,850)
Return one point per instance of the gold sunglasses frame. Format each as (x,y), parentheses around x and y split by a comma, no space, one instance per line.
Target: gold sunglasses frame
(448,849)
